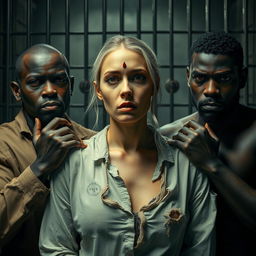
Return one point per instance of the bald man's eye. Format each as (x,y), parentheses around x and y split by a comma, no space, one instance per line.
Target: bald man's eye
(33,82)
(60,80)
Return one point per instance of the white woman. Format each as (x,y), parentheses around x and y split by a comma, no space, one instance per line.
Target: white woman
(128,192)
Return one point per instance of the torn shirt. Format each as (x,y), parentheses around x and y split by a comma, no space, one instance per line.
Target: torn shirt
(90,213)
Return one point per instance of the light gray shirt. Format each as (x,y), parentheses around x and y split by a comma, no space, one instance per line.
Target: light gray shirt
(89,210)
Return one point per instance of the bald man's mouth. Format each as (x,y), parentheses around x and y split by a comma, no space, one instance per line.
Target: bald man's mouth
(51,106)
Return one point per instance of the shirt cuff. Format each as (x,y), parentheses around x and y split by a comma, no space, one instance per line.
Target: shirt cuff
(31,184)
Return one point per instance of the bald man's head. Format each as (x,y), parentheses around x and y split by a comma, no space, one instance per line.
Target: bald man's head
(43,83)
(39,51)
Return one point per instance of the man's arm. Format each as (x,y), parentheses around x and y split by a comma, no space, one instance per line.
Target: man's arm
(194,140)
(20,196)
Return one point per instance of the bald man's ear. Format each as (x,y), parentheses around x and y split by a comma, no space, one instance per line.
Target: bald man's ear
(15,87)
(72,80)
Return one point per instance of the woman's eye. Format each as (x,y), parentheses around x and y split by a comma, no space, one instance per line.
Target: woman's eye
(139,78)
(112,80)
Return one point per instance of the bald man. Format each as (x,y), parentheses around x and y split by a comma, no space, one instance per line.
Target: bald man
(34,145)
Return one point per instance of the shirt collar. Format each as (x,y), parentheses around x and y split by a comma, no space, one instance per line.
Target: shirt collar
(22,123)
(165,151)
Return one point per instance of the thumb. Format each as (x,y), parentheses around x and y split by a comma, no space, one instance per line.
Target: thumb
(211,132)
(37,130)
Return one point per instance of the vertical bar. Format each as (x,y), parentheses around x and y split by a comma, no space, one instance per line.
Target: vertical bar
(67,21)
(154,15)
(207,16)
(8,27)
(171,56)
(121,17)
(48,22)
(139,19)
(245,31)
(104,20)
(28,23)
(225,8)
(154,11)
(189,29)
(67,43)
(104,37)
(86,46)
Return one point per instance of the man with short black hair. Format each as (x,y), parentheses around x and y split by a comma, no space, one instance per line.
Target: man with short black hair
(34,145)
(215,76)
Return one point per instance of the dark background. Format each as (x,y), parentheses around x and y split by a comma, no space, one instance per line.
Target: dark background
(78,28)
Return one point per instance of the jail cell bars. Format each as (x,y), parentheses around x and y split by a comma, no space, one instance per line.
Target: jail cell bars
(79,28)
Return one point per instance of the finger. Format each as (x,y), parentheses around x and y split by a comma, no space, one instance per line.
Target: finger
(194,125)
(56,123)
(180,137)
(37,130)
(74,144)
(171,142)
(178,144)
(188,131)
(211,132)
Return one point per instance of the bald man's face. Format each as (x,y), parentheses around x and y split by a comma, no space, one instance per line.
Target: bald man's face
(45,85)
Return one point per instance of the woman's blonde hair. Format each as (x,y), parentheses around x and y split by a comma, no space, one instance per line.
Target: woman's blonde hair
(133,44)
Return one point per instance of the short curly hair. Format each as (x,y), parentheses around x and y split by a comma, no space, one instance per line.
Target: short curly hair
(218,43)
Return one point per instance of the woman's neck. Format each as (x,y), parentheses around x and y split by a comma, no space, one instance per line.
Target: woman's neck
(130,137)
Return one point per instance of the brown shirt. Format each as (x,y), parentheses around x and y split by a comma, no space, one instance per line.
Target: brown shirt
(22,194)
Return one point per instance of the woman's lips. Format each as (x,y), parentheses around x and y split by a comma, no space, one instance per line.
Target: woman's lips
(127,106)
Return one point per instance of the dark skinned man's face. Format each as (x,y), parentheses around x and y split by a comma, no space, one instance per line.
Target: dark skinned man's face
(214,82)
(45,85)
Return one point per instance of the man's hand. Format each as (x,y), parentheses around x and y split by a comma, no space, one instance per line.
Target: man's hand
(199,144)
(52,144)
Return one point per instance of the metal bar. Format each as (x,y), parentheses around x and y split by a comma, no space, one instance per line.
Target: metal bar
(207,16)
(154,15)
(67,21)
(225,9)
(139,18)
(86,46)
(189,29)
(104,20)
(8,27)
(121,17)
(245,29)
(28,23)
(104,37)
(171,62)
(48,22)
(67,43)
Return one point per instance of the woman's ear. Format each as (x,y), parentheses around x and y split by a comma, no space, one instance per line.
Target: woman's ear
(98,91)
(15,87)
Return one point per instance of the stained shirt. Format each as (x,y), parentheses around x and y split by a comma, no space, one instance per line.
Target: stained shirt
(22,194)
(89,211)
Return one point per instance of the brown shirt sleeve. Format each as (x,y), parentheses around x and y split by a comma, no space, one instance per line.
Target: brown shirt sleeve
(19,195)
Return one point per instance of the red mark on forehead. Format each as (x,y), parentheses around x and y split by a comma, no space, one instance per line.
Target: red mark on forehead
(124,65)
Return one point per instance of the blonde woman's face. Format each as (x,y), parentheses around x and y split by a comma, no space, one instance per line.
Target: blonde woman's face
(125,86)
